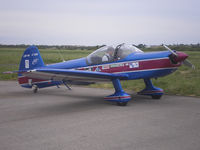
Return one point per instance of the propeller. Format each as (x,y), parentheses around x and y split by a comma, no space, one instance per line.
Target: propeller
(175,56)
(174,53)
(189,64)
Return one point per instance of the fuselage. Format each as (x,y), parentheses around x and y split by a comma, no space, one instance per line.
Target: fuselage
(136,65)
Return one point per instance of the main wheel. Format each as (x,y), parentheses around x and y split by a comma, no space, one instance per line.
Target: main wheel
(156,96)
(122,103)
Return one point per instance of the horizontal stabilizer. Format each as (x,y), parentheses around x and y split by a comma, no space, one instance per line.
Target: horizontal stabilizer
(70,74)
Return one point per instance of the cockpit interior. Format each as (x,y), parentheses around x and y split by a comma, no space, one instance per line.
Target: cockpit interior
(108,54)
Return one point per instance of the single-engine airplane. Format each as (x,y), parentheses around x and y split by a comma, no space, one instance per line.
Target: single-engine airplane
(108,63)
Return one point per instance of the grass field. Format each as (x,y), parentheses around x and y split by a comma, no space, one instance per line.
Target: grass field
(185,81)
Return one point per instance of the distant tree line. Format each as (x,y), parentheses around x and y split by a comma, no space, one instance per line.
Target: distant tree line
(185,47)
(67,47)
(178,47)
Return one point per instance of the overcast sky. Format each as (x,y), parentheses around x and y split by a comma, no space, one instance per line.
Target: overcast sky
(96,22)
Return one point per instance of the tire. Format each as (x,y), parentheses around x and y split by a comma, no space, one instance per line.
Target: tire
(35,90)
(122,103)
(156,96)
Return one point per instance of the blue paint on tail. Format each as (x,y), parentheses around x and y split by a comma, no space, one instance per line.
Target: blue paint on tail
(31,59)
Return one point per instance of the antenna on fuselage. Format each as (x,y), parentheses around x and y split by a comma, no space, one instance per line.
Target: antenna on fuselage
(61,55)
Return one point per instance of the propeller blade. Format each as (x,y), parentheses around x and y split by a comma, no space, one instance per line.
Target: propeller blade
(189,64)
(170,50)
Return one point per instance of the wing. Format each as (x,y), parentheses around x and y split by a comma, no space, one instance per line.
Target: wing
(70,74)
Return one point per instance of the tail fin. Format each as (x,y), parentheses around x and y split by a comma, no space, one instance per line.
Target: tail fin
(31,59)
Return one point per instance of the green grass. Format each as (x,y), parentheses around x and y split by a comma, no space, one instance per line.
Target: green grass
(184,81)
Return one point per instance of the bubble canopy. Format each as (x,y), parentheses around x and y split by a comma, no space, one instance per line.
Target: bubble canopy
(107,54)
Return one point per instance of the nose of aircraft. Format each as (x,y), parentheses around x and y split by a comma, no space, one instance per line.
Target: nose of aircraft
(181,57)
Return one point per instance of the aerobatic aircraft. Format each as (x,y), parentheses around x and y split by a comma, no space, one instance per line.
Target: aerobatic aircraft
(108,63)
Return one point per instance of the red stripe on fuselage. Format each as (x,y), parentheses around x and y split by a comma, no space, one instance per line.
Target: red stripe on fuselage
(129,66)
(25,80)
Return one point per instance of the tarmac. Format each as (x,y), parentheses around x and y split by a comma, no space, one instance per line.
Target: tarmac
(60,119)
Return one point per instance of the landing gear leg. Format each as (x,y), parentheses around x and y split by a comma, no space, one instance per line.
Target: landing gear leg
(151,90)
(67,86)
(35,88)
(120,97)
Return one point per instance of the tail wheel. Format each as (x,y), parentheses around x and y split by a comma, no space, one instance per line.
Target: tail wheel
(35,89)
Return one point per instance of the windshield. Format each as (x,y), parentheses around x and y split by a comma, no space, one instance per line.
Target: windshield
(108,54)
(101,55)
(124,50)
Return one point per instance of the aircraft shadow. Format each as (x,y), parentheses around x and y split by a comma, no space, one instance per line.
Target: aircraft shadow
(53,103)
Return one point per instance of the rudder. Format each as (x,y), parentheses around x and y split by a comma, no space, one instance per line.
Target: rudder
(31,59)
